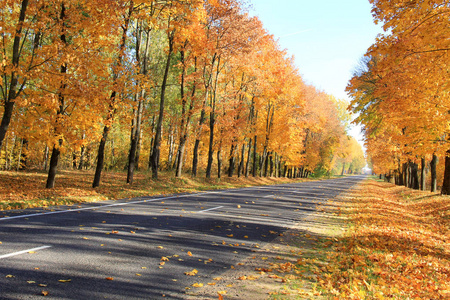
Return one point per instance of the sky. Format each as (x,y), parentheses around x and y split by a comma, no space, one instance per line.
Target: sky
(326,37)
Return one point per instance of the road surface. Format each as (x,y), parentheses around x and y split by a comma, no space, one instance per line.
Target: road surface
(143,248)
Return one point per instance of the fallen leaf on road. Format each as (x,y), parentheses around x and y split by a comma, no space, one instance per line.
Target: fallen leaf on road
(44,293)
(164,258)
(189,253)
(65,280)
(109,278)
(9,276)
(31,281)
(191,273)
(197,285)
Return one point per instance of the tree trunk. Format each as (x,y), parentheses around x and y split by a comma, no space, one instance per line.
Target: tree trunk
(249,155)
(446,183)
(400,176)
(46,158)
(241,163)
(157,143)
(100,157)
(263,163)
(415,176)
(219,164)
(197,140)
(406,174)
(135,137)
(151,142)
(195,158)
(132,152)
(343,169)
(271,165)
(180,157)
(433,165)
(13,93)
(211,143)
(56,150)
(231,161)
(266,165)
(171,142)
(255,164)
(185,116)
(74,160)
(112,99)
(53,167)
(423,175)
(138,150)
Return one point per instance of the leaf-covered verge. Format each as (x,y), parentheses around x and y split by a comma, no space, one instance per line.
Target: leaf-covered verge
(397,246)
(21,190)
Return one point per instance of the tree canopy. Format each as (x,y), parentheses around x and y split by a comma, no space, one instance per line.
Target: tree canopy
(174,85)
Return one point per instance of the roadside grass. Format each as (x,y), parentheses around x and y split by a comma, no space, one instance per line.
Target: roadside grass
(20,190)
(396,247)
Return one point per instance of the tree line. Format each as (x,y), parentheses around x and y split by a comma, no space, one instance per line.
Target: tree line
(181,85)
(401,93)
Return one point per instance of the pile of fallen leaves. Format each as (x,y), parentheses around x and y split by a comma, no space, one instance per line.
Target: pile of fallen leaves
(397,246)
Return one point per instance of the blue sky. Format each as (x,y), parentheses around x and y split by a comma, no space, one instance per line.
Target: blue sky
(326,37)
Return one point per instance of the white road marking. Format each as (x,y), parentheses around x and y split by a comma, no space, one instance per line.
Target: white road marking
(202,211)
(102,206)
(24,251)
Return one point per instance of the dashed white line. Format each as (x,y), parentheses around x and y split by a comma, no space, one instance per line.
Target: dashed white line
(101,206)
(214,208)
(24,251)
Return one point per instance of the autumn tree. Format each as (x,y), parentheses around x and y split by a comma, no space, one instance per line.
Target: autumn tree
(402,95)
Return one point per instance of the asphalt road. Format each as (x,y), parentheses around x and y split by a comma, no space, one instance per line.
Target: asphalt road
(142,248)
